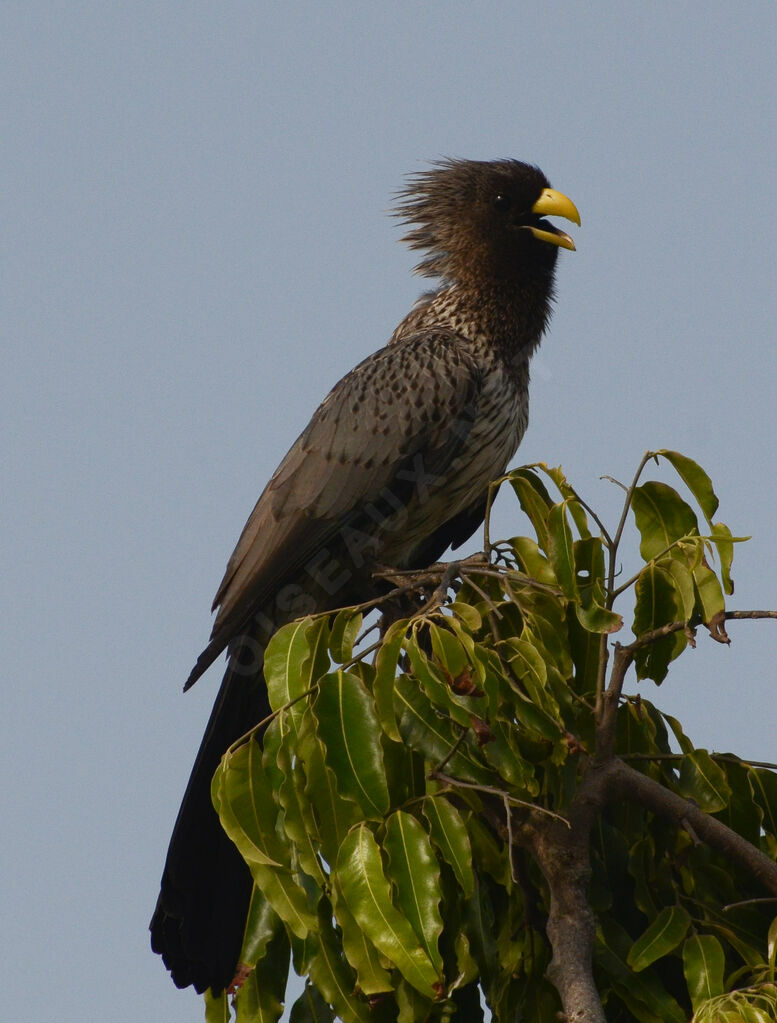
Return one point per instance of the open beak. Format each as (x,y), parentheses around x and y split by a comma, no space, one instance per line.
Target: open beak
(554,204)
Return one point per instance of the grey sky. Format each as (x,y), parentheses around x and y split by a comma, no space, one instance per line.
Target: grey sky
(197,249)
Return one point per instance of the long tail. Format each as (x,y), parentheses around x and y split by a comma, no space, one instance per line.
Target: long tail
(200,914)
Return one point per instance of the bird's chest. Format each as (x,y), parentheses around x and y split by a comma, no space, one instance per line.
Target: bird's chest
(486,443)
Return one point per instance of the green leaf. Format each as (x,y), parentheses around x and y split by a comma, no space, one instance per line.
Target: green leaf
(536,720)
(310,1007)
(479,928)
(425,731)
(411,1006)
(333,977)
(643,994)
(771,945)
(359,951)
(710,594)
(349,730)
(685,594)
(242,797)
(532,560)
(413,868)
(345,629)
(724,542)
(662,517)
(467,615)
(703,963)
(334,813)
(656,605)
(449,834)
(448,650)
(764,785)
(385,677)
(217,1007)
(295,658)
(662,936)
(535,501)
(702,780)
(436,688)
(297,818)
(742,813)
(502,752)
(696,479)
(262,924)
(561,549)
(260,999)
(570,496)
(589,573)
(683,741)
(531,671)
(367,892)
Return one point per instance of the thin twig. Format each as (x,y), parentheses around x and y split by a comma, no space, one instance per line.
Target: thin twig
(595,517)
(500,793)
(453,750)
(746,902)
(622,523)
(725,758)
(482,593)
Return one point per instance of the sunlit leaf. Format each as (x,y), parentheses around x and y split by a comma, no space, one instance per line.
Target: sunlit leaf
(367,892)
(362,955)
(531,559)
(349,730)
(535,501)
(724,542)
(589,573)
(345,629)
(696,479)
(662,517)
(448,650)
(561,549)
(685,594)
(295,658)
(709,592)
(333,977)
(467,615)
(334,814)
(415,873)
(385,676)
(449,835)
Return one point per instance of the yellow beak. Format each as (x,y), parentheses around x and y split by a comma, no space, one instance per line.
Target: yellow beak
(554,204)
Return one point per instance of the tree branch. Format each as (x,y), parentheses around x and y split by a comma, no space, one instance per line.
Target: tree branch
(624,782)
(563,856)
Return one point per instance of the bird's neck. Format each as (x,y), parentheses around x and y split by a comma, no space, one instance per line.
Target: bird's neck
(504,319)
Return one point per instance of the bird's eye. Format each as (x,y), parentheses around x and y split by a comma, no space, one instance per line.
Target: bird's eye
(502,202)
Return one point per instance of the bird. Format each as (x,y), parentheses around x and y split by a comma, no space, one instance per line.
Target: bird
(392,469)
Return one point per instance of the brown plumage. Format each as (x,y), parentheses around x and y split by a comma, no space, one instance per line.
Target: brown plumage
(391,470)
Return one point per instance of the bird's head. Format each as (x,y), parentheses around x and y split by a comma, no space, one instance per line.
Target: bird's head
(484,221)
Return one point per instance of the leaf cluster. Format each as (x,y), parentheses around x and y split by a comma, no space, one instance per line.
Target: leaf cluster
(391,812)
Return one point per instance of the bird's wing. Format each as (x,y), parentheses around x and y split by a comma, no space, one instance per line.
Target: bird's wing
(416,398)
